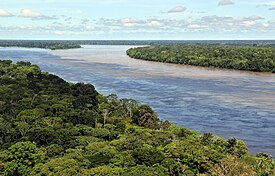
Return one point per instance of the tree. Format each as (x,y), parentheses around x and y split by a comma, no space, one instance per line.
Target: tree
(145,171)
(146,117)
(58,166)
(100,153)
(130,105)
(21,158)
(105,171)
(174,167)
(231,167)
(23,128)
(147,155)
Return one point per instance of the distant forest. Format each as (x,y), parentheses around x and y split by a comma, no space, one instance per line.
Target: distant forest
(251,58)
(77,43)
(52,45)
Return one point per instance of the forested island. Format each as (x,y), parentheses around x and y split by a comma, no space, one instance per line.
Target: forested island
(52,127)
(46,44)
(239,57)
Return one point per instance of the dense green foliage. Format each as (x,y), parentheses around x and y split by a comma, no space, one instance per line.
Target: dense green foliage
(53,45)
(252,58)
(51,127)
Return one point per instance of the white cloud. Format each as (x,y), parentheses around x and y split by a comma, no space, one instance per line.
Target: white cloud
(225,2)
(177,9)
(34,15)
(272,8)
(59,33)
(30,13)
(196,26)
(27,27)
(90,28)
(4,13)
(123,22)
(155,23)
(217,24)
(249,23)
(206,24)
(132,24)
(129,22)
(232,24)
(66,33)
(265,25)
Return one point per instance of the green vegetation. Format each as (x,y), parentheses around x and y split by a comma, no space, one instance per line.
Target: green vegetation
(53,45)
(264,43)
(252,58)
(51,127)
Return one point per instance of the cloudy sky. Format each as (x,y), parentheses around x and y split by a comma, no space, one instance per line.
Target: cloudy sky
(137,19)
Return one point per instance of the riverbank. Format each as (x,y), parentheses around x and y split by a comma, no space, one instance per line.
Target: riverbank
(77,126)
(228,103)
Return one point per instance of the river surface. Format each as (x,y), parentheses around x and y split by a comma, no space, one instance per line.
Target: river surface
(225,102)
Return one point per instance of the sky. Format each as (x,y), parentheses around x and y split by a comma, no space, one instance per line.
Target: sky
(137,19)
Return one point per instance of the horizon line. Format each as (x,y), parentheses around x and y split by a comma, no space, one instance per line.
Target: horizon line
(141,39)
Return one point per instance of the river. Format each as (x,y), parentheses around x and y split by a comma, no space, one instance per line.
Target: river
(228,103)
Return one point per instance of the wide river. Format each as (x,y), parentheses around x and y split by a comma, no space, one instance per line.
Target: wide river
(228,103)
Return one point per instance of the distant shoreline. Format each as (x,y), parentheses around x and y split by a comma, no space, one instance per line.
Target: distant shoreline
(39,44)
(146,42)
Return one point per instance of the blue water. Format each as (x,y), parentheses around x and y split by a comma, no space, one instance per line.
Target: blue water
(227,103)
